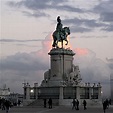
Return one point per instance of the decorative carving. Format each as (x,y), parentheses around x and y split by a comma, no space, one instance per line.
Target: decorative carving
(47,75)
(74,77)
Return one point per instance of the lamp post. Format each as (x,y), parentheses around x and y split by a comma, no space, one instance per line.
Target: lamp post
(31,93)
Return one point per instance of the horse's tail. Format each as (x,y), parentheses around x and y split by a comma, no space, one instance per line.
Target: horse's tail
(54,38)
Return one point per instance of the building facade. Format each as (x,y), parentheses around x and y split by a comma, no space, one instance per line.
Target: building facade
(4,92)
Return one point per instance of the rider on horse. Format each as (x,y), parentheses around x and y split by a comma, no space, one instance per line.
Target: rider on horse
(59,28)
(60,33)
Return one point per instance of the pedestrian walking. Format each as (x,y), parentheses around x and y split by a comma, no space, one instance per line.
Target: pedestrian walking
(84,103)
(3,104)
(77,104)
(104,106)
(107,103)
(50,103)
(73,104)
(7,105)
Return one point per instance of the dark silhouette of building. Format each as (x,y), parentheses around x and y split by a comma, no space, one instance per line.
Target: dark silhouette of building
(111,85)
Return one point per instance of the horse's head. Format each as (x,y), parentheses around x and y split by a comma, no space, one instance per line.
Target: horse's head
(67,30)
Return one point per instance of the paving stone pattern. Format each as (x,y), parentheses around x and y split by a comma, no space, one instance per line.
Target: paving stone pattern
(58,109)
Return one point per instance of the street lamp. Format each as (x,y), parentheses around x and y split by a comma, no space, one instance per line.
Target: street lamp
(32,91)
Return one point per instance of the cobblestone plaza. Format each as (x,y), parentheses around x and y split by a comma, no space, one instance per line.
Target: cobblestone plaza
(58,109)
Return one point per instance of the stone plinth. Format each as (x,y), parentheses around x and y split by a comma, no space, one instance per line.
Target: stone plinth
(61,65)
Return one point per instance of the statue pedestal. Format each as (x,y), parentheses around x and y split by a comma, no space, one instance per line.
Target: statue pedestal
(61,61)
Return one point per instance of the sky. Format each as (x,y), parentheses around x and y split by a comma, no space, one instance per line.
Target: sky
(26,28)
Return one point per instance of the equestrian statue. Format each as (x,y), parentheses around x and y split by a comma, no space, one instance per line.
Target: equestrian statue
(60,34)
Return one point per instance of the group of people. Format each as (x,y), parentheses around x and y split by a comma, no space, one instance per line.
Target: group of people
(49,103)
(75,104)
(5,104)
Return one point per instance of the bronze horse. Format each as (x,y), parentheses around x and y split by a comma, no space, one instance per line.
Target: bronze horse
(60,36)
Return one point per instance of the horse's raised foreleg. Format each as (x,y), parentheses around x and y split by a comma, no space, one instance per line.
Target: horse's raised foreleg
(57,43)
(54,41)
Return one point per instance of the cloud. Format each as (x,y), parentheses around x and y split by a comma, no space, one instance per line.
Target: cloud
(106,14)
(23,42)
(76,25)
(108,28)
(110,63)
(44,5)
(16,68)
(23,62)
(26,45)
(92,36)
(93,69)
(103,9)
(14,40)
(83,25)
(109,60)
(69,9)
(23,66)
(14,79)
(79,29)
(31,67)
(35,14)
(39,7)
(87,22)
(107,17)
(42,8)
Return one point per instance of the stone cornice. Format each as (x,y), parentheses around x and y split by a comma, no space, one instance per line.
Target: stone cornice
(61,51)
